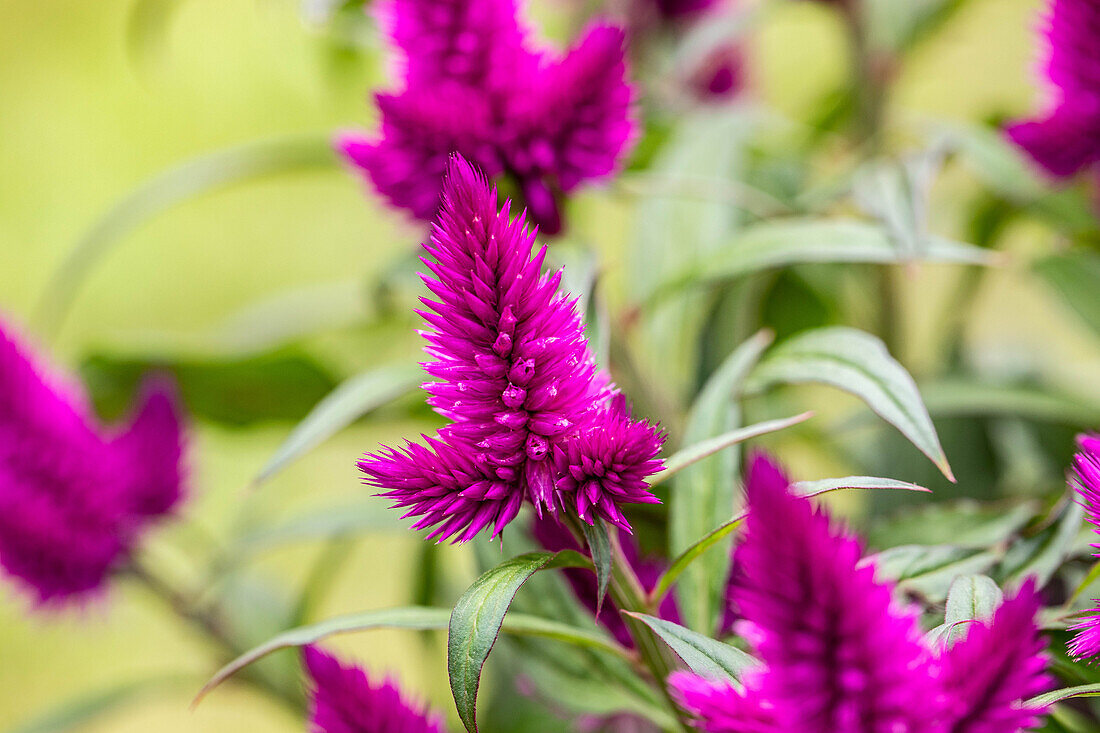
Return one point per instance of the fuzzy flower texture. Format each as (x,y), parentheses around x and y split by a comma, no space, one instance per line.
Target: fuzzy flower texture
(342,699)
(1065,138)
(474,85)
(530,416)
(74,496)
(1085,478)
(838,653)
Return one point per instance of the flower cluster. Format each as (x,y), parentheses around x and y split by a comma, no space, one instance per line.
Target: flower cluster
(1086,480)
(1065,139)
(840,655)
(473,85)
(530,415)
(74,497)
(342,699)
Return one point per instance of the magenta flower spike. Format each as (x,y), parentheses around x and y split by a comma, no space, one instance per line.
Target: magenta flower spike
(606,464)
(1065,138)
(839,656)
(473,85)
(984,676)
(74,499)
(1085,479)
(530,418)
(342,699)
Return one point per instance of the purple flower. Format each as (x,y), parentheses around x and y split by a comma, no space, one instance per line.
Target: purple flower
(516,381)
(607,463)
(1065,139)
(344,700)
(985,675)
(722,708)
(678,9)
(474,86)
(551,535)
(1086,480)
(74,498)
(839,656)
(720,75)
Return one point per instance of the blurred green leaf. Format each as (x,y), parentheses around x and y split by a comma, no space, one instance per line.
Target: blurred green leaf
(279,385)
(198,176)
(972,597)
(929,571)
(350,401)
(703,655)
(692,454)
(477,617)
(785,242)
(703,497)
(1040,556)
(963,524)
(957,396)
(82,711)
(858,363)
(1065,693)
(324,524)
(896,193)
(1075,275)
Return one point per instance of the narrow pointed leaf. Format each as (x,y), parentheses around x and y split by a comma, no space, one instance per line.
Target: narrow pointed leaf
(347,403)
(599,545)
(477,617)
(972,597)
(858,363)
(703,655)
(705,493)
(1065,693)
(1041,555)
(692,454)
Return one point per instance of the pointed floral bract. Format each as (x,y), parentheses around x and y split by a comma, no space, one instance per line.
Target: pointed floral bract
(517,382)
(840,654)
(719,707)
(985,675)
(1066,137)
(1085,480)
(473,86)
(342,699)
(73,501)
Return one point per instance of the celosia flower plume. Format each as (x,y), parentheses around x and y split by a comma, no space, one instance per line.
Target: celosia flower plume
(74,498)
(838,655)
(342,699)
(530,416)
(474,85)
(1065,138)
(1085,479)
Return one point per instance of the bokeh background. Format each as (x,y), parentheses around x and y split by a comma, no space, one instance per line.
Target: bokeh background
(100,97)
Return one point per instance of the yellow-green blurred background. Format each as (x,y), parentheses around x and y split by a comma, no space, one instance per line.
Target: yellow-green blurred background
(86,115)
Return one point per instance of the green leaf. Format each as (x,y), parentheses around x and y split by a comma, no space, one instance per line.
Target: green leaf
(347,403)
(858,363)
(961,524)
(802,488)
(930,571)
(1040,556)
(1088,580)
(958,397)
(413,618)
(704,495)
(323,524)
(477,617)
(692,454)
(972,597)
(278,385)
(82,711)
(187,180)
(1075,275)
(703,656)
(599,545)
(1049,698)
(788,242)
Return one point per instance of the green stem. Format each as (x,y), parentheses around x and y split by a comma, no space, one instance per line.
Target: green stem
(209,622)
(628,595)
